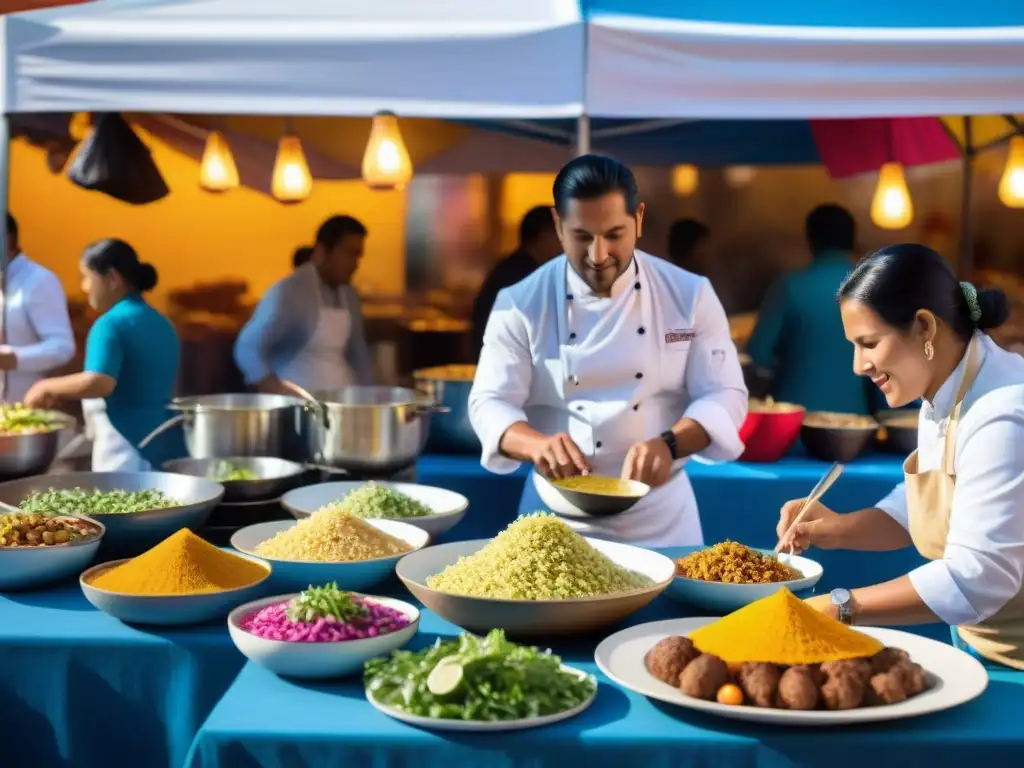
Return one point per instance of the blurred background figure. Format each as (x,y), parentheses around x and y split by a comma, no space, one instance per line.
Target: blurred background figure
(538,244)
(301,256)
(799,335)
(688,241)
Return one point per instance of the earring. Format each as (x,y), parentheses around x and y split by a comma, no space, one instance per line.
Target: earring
(929,350)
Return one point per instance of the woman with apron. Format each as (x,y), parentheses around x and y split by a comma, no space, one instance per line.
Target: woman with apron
(131,364)
(917,332)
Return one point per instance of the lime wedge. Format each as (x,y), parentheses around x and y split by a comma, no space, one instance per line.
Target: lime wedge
(446,677)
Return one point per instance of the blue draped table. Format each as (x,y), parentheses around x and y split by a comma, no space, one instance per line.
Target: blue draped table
(266,722)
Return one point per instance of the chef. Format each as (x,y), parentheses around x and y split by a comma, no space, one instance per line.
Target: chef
(611,361)
(917,332)
(308,328)
(37,329)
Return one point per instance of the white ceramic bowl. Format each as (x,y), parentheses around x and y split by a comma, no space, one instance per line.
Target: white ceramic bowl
(317,660)
(725,598)
(167,610)
(27,567)
(355,575)
(448,507)
(530,618)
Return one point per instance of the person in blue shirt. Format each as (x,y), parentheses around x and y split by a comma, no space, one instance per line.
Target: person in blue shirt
(799,335)
(131,362)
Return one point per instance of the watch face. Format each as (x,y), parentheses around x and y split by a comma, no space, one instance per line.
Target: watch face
(840,596)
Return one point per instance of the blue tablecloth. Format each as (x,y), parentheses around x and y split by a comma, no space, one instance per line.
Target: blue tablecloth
(82,690)
(266,722)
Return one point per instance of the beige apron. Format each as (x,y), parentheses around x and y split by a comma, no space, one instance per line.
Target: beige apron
(999,638)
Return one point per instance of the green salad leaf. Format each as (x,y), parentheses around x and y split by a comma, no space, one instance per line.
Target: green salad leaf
(498,680)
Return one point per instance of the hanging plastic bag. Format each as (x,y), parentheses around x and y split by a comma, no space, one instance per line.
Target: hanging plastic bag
(113,160)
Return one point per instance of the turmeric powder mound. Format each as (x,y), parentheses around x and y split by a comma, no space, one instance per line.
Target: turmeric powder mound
(782,629)
(181,564)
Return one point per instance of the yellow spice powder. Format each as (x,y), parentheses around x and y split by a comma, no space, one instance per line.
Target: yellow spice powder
(330,536)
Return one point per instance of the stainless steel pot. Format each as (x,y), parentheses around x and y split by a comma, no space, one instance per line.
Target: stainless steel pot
(242,425)
(31,453)
(449,385)
(371,430)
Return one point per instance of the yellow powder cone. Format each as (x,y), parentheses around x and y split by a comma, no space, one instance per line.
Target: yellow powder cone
(782,629)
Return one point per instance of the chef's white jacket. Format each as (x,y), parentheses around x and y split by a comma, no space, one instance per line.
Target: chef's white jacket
(983,565)
(37,327)
(611,372)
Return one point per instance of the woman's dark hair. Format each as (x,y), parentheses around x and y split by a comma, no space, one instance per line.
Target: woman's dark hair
(589,177)
(105,255)
(684,236)
(900,280)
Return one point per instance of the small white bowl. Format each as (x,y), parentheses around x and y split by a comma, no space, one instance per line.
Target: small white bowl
(27,567)
(354,575)
(725,598)
(448,507)
(167,610)
(318,660)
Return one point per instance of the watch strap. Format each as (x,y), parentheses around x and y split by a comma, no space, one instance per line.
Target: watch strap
(670,440)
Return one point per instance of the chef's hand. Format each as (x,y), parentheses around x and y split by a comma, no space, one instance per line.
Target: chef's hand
(824,604)
(39,395)
(649,462)
(819,527)
(558,456)
(8,360)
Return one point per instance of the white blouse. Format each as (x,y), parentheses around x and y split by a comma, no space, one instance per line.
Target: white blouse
(983,565)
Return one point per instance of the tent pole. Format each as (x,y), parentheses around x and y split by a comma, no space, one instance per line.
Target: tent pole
(583,135)
(966,178)
(5,257)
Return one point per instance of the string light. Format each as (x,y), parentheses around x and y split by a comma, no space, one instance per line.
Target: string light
(1011,185)
(685,179)
(218,172)
(386,162)
(891,207)
(292,181)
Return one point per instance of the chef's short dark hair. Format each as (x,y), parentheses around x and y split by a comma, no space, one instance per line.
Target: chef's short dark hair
(302,255)
(830,228)
(589,177)
(535,223)
(12,226)
(900,280)
(337,227)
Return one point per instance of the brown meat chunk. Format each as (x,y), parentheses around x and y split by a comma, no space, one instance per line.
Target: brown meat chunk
(913,676)
(760,682)
(887,658)
(668,658)
(814,670)
(859,668)
(888,687)
(797,689)
(703,676)
(843,690)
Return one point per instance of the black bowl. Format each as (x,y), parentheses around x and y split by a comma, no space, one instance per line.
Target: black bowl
(841,444)
(898,438)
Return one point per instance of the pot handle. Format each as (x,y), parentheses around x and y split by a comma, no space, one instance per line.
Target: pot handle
(425,409)
(174,420)
(311,402)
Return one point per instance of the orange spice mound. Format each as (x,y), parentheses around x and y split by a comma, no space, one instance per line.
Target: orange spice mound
(782,629)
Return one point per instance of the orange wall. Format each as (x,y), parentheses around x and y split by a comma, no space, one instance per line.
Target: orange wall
(193,236)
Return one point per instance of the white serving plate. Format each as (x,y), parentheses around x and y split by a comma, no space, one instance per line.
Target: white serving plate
(27,567)
(318,660)
(354,576)
(449,507)
(442,724)
(953,677)
(726,598)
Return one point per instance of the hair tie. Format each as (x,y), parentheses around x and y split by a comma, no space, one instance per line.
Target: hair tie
(973,307)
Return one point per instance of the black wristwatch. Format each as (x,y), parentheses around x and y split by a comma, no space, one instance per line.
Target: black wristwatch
(670,440)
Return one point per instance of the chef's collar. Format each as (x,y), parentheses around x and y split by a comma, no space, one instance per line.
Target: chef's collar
(945,398)
(578,286)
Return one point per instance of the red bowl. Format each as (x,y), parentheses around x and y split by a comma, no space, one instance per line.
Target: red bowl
(768,434)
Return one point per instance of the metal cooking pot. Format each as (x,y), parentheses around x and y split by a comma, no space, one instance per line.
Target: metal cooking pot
(372,430)
(242,425)
(449,385)
(31,453)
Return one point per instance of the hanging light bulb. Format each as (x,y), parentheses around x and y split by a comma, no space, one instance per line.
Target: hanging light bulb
(738,176)
(79,125)
(386,163)
(891,207)
(685,179)
(292,181)
(1011,185)
(218,172)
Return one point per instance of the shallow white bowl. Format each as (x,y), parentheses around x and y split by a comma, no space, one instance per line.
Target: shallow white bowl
(167,610)
(355,576)
(27,567)
(526,618)
(449,507)
(317,660)
(725,598)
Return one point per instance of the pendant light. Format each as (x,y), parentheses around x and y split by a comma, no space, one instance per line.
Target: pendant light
(386,163)
(891,207)
(685,179)
(291,182)
(80,125)
(218,172)
(739,176)
(1011,185)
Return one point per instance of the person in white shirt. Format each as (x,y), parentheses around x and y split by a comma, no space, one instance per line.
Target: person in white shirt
(37,329)
(919,333)
(611,361)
